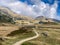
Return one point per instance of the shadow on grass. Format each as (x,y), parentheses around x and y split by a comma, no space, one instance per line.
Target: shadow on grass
(20,31)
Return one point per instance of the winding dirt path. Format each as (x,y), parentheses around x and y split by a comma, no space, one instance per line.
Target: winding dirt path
(27,39)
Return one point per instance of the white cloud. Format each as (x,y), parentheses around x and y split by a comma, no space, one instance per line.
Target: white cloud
(39,9)
(53,11)
(22,8)
(46,10)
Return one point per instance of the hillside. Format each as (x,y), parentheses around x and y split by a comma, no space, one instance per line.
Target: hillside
(48,31)
(48,35)
(6,11)
(7,20)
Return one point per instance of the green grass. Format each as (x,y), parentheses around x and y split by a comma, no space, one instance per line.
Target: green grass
(47,41)
(28,43)
(51,39)
(18,38)
(1,42)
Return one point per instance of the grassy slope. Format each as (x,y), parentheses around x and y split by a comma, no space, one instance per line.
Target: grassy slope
(53,37)
(18,37)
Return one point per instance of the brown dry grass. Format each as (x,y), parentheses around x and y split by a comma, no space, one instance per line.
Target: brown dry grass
(53,37)
(4,30)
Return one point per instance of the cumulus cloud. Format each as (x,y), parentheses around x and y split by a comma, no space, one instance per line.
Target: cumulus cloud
(43,9)
(38,9)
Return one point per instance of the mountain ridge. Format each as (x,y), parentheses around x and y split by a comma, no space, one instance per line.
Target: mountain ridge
(9,12)
(47,19)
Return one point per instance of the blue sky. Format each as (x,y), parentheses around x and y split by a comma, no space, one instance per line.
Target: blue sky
(50,2)
(58,9)
(34,8)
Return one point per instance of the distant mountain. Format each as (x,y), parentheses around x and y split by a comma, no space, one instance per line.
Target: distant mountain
(55,20)
(44,19)
(6,14)
(40,18)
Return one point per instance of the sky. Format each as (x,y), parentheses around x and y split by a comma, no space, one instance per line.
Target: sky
(34,8)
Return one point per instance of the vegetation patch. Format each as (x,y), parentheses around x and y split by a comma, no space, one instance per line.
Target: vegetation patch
(18,36)
(28,43)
